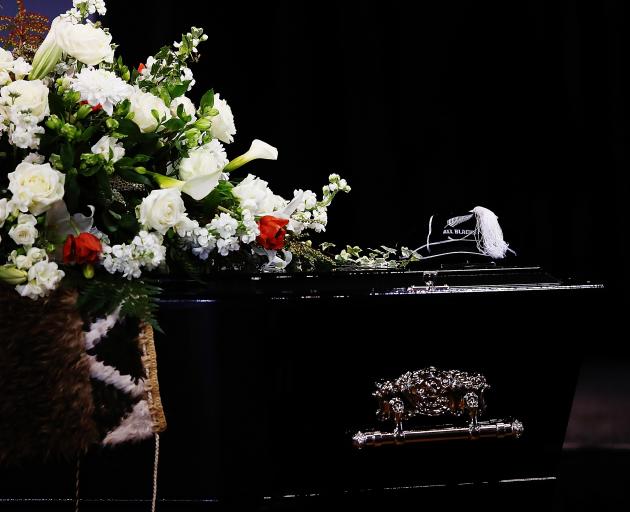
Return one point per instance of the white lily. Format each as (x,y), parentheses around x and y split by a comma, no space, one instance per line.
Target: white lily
(47,56)
(197,188)
(258,150)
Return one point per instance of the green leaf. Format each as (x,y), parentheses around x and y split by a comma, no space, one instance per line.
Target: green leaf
(67,156)
(55,104)
(130,129)
(174,124)
(129,174)
(91,171)
(207,101)
(72,190)
(87,133)
(177,90)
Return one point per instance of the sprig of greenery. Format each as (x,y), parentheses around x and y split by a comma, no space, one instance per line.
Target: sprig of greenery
(136,298)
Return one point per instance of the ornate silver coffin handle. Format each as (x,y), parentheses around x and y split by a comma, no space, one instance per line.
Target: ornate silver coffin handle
(493,429)
(433,392)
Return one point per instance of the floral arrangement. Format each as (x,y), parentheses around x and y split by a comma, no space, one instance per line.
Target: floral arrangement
(110,174)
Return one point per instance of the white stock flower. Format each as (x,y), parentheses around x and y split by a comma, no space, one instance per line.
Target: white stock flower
(189,107)
(35,187)
(251,230)
(100,87)
(24,232)
(93,6)
(84,42)
(146,250)
(25,96)
(224,225)
(142,104)
(34,158)
(207,159)
(223,124)
(254,195)
(308,201)
(187,76)
(161,210)
(43,277)
(227,245)
(107,144)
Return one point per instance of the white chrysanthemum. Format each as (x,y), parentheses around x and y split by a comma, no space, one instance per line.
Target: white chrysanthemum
(100,87)
(223,127)
(43,277)
(109,146)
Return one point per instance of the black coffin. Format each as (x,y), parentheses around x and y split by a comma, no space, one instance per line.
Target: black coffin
(265,379)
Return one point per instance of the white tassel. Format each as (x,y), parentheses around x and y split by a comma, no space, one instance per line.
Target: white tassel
(488,234)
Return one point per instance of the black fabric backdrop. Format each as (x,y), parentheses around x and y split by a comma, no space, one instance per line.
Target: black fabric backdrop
(517,106)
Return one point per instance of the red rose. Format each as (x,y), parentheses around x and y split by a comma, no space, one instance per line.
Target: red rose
(272,232)
(141,67)
(81,249)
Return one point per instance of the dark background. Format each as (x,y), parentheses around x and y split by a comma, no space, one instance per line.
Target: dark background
(516,106)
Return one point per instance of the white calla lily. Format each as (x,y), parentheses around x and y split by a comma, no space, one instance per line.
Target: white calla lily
(258,150)
(48,54)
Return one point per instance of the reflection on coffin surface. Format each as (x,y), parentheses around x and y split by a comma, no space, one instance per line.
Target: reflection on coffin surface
(267,378)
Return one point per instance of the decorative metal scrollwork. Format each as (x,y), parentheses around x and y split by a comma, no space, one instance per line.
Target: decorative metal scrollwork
(433,392)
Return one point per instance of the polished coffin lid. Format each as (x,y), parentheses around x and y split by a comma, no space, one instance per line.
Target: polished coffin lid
(265,378)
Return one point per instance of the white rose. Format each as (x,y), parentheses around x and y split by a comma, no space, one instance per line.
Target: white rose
(105,144)
(86,43)
(223,124)
(31,95)
(254,195)
(5,211)
(189,107)
(162,210)
(24,232)
(35,187)
(207,159)
(142,103)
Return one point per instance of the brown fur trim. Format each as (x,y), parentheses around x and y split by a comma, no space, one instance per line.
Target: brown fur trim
(46,404)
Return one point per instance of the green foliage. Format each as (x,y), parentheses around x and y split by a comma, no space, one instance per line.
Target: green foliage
(138,299)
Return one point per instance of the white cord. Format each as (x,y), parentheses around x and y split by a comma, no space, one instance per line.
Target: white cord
(155,471)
